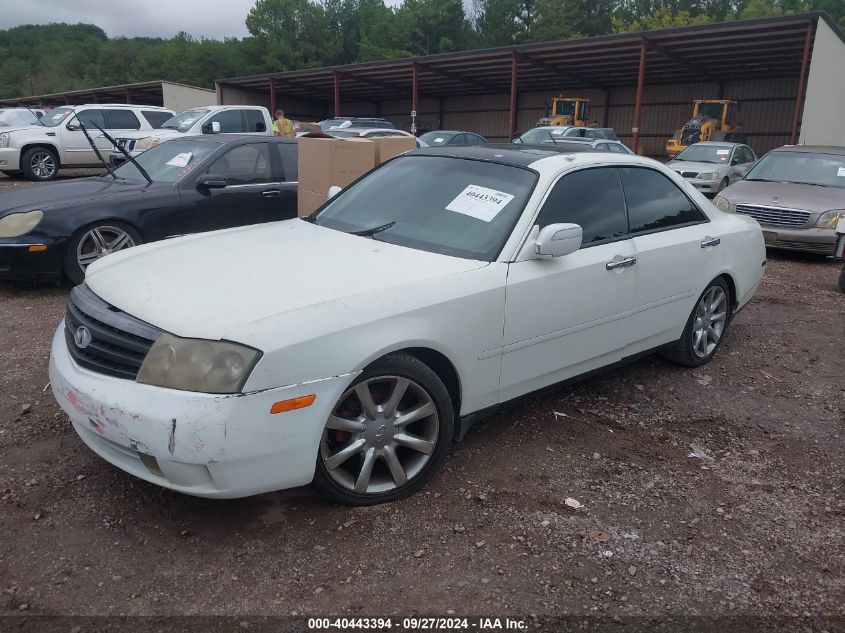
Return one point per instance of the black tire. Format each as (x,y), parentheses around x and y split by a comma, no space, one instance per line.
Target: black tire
(72,269)
(39,164)
(10,174)
(390,367)
(683,352)
(842,279)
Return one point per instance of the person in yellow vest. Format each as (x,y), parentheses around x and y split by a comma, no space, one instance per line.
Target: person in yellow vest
(283,126)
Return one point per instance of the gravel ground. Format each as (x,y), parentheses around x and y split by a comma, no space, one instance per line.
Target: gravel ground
(755,528)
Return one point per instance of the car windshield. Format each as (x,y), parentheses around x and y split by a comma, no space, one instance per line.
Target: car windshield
(540,134)
(435,138)
(453,206)
(56,116)
(169,161)
(183,121)
(17,117)
(808,168)
(705,154)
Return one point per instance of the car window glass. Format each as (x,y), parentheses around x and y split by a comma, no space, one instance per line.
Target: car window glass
(602,147)
(89,118)
(230,121)
(749,155)
(458,139)
(593,134)
(123,120)
(591,198)
(655,202)
(289,154)
(255,121)
(474,139)
(616,147)
(155,118)
(244,165)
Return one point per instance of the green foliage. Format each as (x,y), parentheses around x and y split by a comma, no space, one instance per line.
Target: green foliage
(292,34)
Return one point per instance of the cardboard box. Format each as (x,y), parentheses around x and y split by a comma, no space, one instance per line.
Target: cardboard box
(308,201)
(325,161)
(389,146)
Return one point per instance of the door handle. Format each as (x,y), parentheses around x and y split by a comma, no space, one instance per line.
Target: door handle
(626,262)
(271,193)
(710,241)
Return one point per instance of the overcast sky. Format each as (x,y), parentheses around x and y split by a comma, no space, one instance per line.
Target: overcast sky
(153,18)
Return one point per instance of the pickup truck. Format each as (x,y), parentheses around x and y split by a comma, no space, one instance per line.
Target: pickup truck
(204,120)
(38,151)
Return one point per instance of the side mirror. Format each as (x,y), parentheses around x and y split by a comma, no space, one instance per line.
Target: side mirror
(557,240)
(211,128)
(211,181)
(332,192)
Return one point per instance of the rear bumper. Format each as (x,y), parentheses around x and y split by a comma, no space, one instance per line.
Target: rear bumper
(813,240)
(10,159)
(19,263)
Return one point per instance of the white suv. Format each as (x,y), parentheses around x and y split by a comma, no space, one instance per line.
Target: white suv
(39,151)
(204,120)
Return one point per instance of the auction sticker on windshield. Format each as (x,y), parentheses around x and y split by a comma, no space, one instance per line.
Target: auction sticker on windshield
(480,202)
(180,160)
(841,172)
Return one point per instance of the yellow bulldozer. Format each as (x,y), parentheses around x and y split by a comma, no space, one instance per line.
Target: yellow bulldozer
(569,111)
(712,120)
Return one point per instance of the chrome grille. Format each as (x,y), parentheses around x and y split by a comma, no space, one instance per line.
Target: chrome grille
(775,216)
(118,342)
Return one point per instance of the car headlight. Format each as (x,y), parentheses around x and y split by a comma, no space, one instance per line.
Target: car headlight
(4,140)
(710,175)
(829,219)
(147,143)
(193,364)
(723,204)
(16,224)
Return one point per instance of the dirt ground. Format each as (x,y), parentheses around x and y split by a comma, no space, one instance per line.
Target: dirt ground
(755,528)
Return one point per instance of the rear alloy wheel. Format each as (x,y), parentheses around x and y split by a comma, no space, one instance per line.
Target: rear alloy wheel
(39,163)
(387,435)
(705,328)
(95,242)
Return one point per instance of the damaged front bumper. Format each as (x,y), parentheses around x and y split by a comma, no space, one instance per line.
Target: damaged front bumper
(208,445)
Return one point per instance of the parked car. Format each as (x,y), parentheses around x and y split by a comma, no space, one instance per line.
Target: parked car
(351,132)
(544,132)
(338,123)
(351,348)
(576,144)
(205,120)
(40,151)
(199,183)
(439,138)
(15,117)
(712,166)
(797,193)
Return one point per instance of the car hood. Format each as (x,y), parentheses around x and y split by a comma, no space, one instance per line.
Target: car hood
(28,128)
(69,192)
(787,195)
(159,133)
(683,165)
(211,285)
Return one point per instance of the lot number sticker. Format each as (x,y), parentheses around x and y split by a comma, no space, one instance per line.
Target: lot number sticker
(180,160)
(480,202)
(723,152)
(841,172)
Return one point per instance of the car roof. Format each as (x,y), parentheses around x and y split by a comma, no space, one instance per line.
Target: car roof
(507,154)
(229,137)
(817,149)
(718,144)
(365,130)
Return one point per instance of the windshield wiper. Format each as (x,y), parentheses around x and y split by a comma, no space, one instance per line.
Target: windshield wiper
(95,148)
(374,230)
(128,156)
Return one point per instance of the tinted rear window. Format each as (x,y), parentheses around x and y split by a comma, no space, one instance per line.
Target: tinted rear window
(156,118)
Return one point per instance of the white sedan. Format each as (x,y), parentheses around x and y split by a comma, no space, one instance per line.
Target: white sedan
(350,348)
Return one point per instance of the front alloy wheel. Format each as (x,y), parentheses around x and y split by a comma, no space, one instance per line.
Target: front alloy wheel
(388,433)
(94,242)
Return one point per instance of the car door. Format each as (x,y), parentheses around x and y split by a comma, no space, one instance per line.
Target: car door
(567,315)
(742,160)
(251,194)
(677,255)
(77,150)
(287,155)
(231,122)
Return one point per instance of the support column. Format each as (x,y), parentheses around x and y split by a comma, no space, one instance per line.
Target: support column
(635,139)
(273,98)
(799,98)
(336,93)
(128,96)
(512,118)
(606,113)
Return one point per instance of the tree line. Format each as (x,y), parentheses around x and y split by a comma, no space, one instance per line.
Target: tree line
(294,34)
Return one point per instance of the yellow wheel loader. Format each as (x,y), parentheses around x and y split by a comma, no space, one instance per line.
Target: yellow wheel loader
(712,120)
(569,111)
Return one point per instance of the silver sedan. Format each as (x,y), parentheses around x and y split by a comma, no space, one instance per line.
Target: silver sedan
(712,166)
